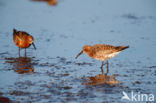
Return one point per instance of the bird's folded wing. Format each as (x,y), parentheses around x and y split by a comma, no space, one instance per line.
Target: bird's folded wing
(103,50)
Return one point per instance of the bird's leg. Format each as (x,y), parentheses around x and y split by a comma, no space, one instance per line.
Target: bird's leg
(102,67)
(107,66)
(19,51)
(25,52)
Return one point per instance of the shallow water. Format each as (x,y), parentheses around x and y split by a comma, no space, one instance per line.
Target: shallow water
(51,73)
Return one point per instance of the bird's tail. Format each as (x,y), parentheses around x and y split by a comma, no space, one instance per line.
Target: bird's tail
(14,31)
(120,48)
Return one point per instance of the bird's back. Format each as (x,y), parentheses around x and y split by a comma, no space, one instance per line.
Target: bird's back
(104,51)
(20,36)
(20,39)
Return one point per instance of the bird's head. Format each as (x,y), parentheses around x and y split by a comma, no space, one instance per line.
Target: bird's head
(86,49)
(31,41)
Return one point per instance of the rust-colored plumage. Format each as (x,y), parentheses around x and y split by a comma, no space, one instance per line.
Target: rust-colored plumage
(22,40)
(50,2)
(102,52)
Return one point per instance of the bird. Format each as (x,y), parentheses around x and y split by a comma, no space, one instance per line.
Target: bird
(23,40)
(50,2)
(102,52)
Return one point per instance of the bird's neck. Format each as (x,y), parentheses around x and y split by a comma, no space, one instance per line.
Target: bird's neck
(90,54)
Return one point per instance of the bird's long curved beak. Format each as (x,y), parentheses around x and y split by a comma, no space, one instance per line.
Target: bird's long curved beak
(78,54)
(34,46)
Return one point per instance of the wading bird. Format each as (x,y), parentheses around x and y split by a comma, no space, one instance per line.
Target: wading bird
(102,52)
(23,40)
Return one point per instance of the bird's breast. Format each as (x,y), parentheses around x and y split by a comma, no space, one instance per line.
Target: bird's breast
(105,57)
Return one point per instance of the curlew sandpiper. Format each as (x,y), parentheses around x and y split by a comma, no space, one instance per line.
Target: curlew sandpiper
(102,52)
(22,40)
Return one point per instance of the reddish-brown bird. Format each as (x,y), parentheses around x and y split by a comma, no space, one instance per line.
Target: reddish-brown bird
(50,2)
(23,40)
(102,52)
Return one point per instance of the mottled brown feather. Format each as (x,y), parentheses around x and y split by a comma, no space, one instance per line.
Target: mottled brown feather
(21,39)
(103,51)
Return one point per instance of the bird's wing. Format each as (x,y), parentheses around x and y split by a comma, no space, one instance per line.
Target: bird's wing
(102,50)
(17,38)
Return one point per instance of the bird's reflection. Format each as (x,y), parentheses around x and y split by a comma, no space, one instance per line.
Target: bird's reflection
(50,2)
(21,65)
(102,79)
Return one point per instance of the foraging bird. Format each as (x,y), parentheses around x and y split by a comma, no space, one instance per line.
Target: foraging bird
(23,40)
(102,52)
